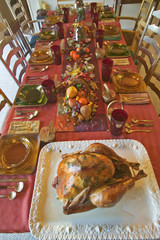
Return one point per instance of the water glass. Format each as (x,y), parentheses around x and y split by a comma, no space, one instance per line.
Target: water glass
(95,18)
(118,119)
(93,7)
(107,65)
(56,54)
(50,90)
(65,15)
(100,37)
(60,30)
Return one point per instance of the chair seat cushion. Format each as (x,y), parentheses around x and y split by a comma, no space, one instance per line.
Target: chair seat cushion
(33,41)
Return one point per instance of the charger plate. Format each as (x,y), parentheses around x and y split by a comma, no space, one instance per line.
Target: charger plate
(27,146)
(47,35)
(136,216)
(128,82)
(40,57)
(116,50)
(30,95)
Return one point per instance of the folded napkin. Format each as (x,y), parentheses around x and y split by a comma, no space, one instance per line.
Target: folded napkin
(108,20)
(121,61)
(135,98)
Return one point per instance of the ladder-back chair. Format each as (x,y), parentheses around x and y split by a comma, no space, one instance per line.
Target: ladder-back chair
(13,58)
(5,105)
(14,29)
(144,12)
(28,27)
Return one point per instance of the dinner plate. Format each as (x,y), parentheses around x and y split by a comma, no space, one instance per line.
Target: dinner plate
(9,149)
(18,153)
(52,19)
(136,216)
(110,29)
(30,95)
(47,35)
(107,15)
(128,82)
(117,50)
(42,55)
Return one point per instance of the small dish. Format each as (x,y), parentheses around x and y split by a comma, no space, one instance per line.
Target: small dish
(30,95)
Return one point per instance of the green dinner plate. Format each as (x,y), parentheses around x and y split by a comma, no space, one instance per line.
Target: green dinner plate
(47,35)
(30,95)
(117,50)
(108,15)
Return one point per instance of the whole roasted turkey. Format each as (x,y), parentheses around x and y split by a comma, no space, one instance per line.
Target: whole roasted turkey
(96,177)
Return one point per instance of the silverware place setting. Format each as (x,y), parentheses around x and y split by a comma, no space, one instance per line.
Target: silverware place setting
(29,117)
(38,69)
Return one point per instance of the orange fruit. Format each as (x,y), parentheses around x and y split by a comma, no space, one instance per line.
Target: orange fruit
(86,50)
(82,101)
(78,49)
(75,56)
(71,53)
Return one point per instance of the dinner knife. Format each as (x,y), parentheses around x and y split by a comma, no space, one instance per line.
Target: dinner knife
(13,180)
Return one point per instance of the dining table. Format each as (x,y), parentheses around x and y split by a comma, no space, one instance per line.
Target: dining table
(15,220)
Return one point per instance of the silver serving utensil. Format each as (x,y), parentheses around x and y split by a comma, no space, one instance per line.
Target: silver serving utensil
(10,196)
(141,120)
(128,130)
(18,187)
(34,114)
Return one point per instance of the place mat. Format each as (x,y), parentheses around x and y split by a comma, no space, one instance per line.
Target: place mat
(99,121)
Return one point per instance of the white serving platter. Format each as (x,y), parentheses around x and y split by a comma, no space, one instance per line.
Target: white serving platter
(136,216)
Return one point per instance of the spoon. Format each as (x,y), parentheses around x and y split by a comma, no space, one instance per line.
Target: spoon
(10,196)
(18,187)
(128,130)
(128,125)
(136,120)
(34,114)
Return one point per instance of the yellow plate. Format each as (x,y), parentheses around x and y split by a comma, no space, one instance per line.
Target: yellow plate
(125,82)
(52,19)
(110,29)
(27,146)
(41,56)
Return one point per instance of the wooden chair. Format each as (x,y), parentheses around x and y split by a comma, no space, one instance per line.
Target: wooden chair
(148,55)
(4,109)
(14,30)
(13,58)
(28,27)
(144,12)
